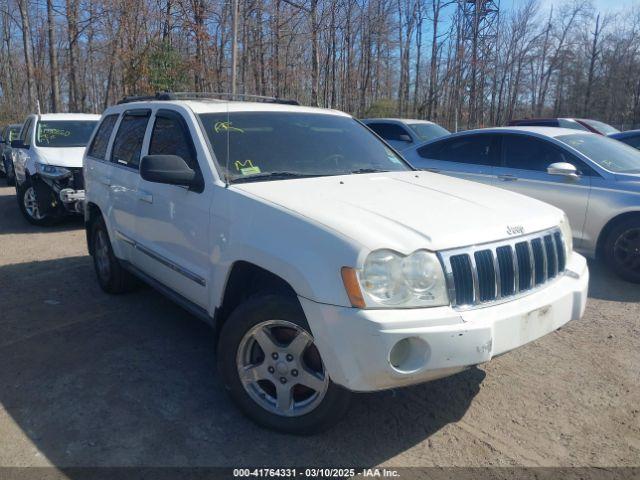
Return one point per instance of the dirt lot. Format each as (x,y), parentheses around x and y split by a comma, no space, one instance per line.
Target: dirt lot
(89,379)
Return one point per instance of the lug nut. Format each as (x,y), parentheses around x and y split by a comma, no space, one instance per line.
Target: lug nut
(283,380)
(294,373)
(274,355)
(271,369)
(289,357)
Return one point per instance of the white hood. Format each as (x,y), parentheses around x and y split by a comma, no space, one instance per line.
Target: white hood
(406,211)
(61,156)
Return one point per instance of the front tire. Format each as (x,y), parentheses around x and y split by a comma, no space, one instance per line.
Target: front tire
(273,370)
(112,277)
(28,203)
(622,250)
(10,172)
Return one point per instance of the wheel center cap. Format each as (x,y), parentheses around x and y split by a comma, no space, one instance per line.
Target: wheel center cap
(281,367)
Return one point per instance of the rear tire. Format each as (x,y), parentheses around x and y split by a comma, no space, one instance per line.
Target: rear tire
(112,277)
(275,384)
(622,249)
(10,173)
(28,203)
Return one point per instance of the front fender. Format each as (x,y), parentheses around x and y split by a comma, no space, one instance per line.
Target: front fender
(306,255)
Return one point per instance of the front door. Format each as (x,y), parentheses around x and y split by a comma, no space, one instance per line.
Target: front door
(523,169)
(172,222)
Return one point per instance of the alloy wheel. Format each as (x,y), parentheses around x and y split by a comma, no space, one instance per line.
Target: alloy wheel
(280,368)
(31,204)
(626,250)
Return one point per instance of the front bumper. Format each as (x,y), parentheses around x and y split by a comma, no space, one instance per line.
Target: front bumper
(356,345)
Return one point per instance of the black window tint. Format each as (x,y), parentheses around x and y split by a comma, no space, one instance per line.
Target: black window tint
(431,150)
(98,148)
(389,131)
(475,149)
(632,141)
(528,153)
(128,141)
(25,132)
(170,136)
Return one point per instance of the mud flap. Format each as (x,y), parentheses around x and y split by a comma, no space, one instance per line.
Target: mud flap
(45,195)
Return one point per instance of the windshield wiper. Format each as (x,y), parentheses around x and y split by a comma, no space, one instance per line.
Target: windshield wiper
(273,176)
(369,170)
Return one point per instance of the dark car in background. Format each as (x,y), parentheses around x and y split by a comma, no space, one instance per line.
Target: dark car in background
(630,137)
(402,133)
(8,133)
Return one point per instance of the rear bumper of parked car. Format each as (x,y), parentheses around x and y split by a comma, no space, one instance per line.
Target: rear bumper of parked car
(359,346)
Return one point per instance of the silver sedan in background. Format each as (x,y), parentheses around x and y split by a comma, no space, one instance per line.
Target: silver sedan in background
(594,179)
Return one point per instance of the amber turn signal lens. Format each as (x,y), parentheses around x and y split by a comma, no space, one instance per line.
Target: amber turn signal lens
(351,285)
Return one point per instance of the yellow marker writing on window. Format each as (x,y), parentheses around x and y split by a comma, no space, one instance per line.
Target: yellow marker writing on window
(246,168)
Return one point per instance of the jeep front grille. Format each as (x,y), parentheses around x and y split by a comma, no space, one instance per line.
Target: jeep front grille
(500,271)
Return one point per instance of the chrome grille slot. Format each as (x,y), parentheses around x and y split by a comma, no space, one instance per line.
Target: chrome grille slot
(504,255)
(525,266)
(560,250)
(539,261)
(552,256)
(485,274)
(463,278)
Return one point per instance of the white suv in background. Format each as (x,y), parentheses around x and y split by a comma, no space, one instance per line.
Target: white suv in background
(48,164)
(325,262)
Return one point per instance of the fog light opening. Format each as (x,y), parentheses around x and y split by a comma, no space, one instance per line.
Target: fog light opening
(409,355)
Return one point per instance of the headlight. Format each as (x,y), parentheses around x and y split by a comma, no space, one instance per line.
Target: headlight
(567,236)
(390,279)
(51,170)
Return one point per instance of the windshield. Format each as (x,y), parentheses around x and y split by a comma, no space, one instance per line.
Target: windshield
(428,131)
(64,133)
(610,154)
(275,145)
(12,133)
(601,126)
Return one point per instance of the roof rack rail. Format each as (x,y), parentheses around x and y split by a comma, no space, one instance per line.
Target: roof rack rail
(206,96)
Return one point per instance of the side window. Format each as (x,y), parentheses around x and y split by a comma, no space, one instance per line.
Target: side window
(98,147)
(390,131)
(474,149)
(632,141)
(529,153)
(170,136)
(128,141)
(25,135)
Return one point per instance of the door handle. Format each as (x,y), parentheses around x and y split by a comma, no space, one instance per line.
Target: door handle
(105,181)
(507,178)
(145,196)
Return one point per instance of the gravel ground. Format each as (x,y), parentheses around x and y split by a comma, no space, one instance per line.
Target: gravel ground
(88,379)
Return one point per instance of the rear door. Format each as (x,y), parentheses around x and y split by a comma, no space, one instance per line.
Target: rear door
(523,169)
(97,168)
(471,157)
(172,222)
(124,178)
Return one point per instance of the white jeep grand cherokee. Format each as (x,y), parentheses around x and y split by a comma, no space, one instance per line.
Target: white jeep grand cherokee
(325,263)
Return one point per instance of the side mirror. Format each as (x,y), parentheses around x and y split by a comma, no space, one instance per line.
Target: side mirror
(169,169)
(562,168)
(405,138)
(18,144)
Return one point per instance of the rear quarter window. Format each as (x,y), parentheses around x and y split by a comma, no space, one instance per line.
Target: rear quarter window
(98,147)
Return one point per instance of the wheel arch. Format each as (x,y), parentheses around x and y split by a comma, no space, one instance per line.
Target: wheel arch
(610,225)
(91,213)
(244,280)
